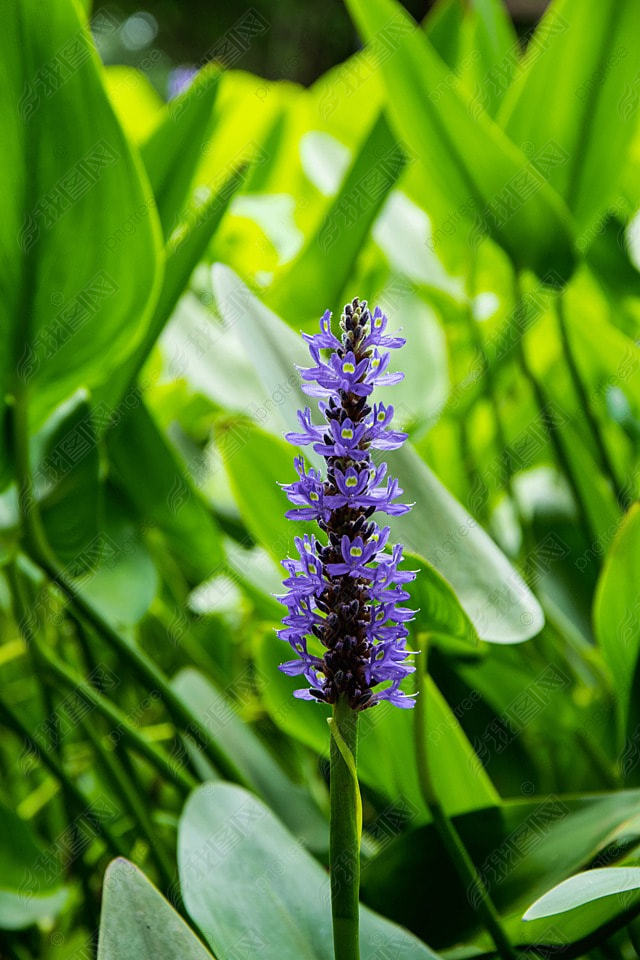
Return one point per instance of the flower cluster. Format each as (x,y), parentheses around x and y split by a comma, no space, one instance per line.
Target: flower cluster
(347,590)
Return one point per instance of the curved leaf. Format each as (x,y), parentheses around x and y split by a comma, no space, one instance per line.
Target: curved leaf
(252,889)
(137,922)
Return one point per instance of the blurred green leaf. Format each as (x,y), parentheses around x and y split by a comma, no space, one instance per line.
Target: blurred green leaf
(258,888)
(122,580)
(137,104)
(172,152)
(318,275)
(31,888)
(67,483)
(184,250)
(161,491)
(488,184)
(602,899)
(487,51)
(519,849)
(585,54)
(255,463)
(137,921)
(80,216)
(616,612)
(439,613)
(290,801)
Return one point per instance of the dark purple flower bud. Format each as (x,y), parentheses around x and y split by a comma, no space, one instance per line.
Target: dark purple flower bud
(345,595)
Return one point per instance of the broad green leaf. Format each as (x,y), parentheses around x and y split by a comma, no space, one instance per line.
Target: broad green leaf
(30,880)
(519,848)
(250,888)
(290,801)
(590,887)
(493,595)
(161,491)
(616,613)
(386,761)
(137,922)
(317,277)
(173,151)
(585,54)
(67,485)
(487,183)
(500,606)
(439,614)
(78,283)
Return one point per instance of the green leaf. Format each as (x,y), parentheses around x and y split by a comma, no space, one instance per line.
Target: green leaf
(500,606)
(386,761)
(485,181)
(137,104)
(78,284)
(290,801)
(616,614)
(255,463)
(162,492)
(174,149)
(584,52)
(122,580)
(439,613)
(519,848)
(273,348)
(184,251)
(325,264)
(489,53)
(30,880)
(600,884)
(137,922)
(250,887)
(493,595)
(67,485)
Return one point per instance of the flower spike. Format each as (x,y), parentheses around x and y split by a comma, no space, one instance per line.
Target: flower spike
(347,592)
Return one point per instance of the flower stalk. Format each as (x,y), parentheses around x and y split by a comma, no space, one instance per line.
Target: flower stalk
(345,621)
(346,826)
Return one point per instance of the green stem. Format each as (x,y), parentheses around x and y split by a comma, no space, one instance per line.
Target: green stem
(551,427)
(133,737)
(125,788)
(344,840)
(81,803)
(472,881)
(606,464)
(114,772)
(142,666)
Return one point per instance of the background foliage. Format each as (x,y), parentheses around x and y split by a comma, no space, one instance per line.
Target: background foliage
(158,260)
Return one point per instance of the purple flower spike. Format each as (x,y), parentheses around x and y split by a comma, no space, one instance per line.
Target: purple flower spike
(346,593)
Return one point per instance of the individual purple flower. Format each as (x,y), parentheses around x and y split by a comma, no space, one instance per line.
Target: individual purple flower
(345,621)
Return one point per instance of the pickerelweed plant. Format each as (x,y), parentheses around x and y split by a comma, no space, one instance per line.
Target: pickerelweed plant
(348,591)
(346,588)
